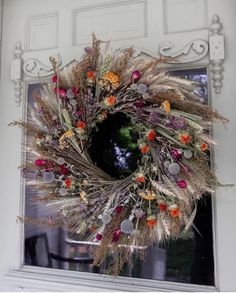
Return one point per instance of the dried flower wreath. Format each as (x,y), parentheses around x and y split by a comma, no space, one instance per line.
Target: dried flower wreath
(153,203)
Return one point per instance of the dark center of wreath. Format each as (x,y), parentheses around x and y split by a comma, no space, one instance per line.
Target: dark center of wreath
(114,146)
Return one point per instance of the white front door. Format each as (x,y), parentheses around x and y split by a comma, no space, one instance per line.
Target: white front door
(32,31)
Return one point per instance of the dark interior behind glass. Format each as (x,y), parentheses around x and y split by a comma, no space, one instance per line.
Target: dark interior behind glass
(186,260)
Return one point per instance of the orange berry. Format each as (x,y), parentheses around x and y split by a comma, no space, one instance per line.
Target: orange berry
(140,179)
(144,149)
(185,138)
(68,183)
(90,74)
(81,124)
(175,212)
(204,147)
(151,222)
(151,134)
(110,101)
(162,206)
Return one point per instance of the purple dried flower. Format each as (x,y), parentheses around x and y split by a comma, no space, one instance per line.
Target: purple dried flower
(89,50)
(139,114)
(51,130)
(177,122)
(154,118)
(79,113)
(139,213)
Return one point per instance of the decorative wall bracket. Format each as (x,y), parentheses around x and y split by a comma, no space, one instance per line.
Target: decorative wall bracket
(197,49)
(192,52)
(35,68)
(29,68)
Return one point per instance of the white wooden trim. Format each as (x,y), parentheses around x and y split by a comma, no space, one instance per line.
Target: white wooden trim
(63,280)
(1,20)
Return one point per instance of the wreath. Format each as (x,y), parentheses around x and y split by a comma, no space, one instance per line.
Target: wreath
(163,170)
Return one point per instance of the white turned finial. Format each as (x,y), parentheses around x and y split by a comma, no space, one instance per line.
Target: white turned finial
(216,25)
(217,53)
(16,72)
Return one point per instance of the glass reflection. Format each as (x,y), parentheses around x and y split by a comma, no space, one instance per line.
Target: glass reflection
(114,146)
(187,260)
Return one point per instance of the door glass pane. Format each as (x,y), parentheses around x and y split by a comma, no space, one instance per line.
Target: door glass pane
(186,260)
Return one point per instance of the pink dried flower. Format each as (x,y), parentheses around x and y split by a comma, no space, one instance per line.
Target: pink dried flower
(60,92)
(99,237)
(182,184)
(64,170)
(75,90)
(139,104)
(176,154)
(116,236)
(54,78)
(40,162)
(136,75)
(118,209)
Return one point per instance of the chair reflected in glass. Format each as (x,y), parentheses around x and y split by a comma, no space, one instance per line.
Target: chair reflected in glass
(37,253)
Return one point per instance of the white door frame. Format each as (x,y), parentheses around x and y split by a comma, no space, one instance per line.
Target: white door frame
(195,54)
(35,278)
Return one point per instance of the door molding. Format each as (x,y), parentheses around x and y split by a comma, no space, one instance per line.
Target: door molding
(194,51)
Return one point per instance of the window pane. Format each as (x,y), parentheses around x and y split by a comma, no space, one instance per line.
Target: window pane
(187,260)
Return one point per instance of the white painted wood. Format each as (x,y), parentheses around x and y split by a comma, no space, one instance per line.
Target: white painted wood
(225,160)
(16,72)
(217,53)
(1,12)
(15,18)
(184,15)
(194,51)
(41,31)
(34,68)
(105,21)
(217,48)
(57,280)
